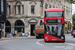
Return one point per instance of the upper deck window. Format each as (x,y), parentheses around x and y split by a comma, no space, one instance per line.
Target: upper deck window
(54,14)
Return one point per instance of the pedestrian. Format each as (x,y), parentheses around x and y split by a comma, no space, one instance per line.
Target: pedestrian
(15,33)
(67,32)
(26,33)
(11,35)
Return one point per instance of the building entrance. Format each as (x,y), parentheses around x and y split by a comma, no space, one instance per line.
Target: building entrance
(32,29)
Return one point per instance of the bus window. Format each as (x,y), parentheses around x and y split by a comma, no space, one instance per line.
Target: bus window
(54,14)
(59,30)
(54,29)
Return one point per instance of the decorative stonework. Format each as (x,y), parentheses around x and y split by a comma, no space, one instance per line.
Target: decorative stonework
(32,2)
(18,2)
(32,20)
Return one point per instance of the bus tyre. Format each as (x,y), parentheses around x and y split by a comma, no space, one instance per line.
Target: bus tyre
(64,38)
(46,41)
(37,37)
(73,36)
(63,41)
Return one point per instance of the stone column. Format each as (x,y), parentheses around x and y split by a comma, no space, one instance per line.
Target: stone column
(29,29)
(65,12)
(16,9)
(12,27)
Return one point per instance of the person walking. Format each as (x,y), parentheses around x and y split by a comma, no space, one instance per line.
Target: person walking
(11,35)
(15,33)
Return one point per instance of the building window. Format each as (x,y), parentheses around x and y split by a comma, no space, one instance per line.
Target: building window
(15,9)
(67,0)
(56,3)
(46,6)
(51,1)
(67,11)
(47,0)
(49,6)
(32,9)
(9,10)
(19,8)
(41,23)
(22,9)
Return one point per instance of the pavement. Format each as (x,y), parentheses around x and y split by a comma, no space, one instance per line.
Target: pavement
(8,39)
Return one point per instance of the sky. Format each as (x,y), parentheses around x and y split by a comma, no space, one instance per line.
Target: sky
(73,9)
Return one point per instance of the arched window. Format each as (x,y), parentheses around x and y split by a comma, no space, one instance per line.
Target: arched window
(19,26)
(7,27)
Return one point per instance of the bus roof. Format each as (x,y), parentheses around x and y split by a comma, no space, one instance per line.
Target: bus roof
(53,9)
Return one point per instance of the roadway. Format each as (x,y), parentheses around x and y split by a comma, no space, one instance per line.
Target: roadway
(37,44)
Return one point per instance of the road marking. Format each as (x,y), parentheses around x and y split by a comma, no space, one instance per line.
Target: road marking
(74,39)
(4,41)
(68,37)
(53,43)
(70,44)
(39,43)
(7,41)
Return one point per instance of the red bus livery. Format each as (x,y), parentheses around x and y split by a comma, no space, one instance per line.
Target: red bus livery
(54,25)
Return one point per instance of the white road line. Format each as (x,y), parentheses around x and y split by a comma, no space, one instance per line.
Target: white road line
(74,39)
(52,43)
(70,44)
(68,37)
(39,43)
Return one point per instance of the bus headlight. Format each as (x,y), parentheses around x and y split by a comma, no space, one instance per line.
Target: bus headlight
(62,37)
(47,32)
(46,37)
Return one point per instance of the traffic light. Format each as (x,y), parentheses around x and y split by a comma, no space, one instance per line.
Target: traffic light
(3,12)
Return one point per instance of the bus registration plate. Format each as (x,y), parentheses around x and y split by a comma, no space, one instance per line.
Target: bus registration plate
(54,39)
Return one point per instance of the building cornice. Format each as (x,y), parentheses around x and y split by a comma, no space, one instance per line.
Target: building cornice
(11,17)
(21,0)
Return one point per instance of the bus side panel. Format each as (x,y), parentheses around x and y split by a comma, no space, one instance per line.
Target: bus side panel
(48,37)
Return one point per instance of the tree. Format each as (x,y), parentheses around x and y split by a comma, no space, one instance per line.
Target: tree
(73,17)
(72,1)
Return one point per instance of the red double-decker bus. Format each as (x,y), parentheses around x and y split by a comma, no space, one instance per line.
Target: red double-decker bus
(54,25)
